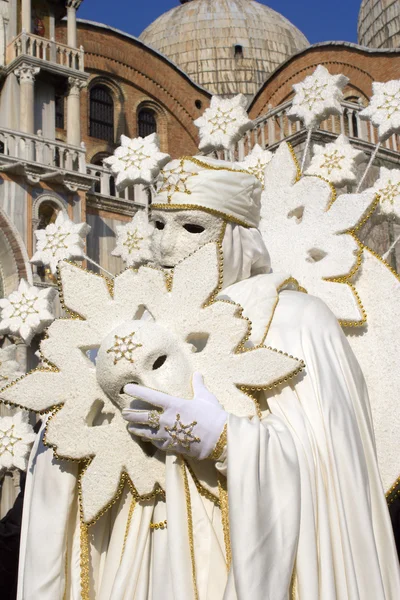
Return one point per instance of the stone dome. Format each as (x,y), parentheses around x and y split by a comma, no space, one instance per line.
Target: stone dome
(226,46)
(379,24)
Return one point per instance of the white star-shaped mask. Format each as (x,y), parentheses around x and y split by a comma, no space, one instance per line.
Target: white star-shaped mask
(133,240)
(388,188)
(336,162)
(384,108)
(137,160)
(61,240)
(317,97)
(16,439)
(223,123)
(27,311)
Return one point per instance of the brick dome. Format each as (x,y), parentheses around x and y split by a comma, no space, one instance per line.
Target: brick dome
(227,46)
(379,23)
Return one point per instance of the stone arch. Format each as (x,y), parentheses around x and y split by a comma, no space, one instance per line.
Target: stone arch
(14,259)
(59,202)
(118,100)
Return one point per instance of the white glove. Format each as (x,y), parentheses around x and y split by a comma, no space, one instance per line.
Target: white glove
(191,427)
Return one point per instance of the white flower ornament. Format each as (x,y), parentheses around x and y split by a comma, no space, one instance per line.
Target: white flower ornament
(223,123)
(133,240)
(317,97)
(388,188)
(16,439)
(27,311)
(384,108)
(256,161)
(336,162)
(137,160)
(61,240)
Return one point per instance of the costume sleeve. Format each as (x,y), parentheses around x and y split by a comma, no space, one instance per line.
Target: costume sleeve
(263,485)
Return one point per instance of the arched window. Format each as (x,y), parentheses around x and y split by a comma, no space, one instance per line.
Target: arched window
(147,122)
(101,113)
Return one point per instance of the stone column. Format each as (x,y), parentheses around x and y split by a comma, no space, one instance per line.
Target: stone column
(74,110)
(72,7)
(26,15)
(26,74)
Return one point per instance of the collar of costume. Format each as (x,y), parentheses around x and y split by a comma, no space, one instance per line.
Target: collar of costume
(216,186)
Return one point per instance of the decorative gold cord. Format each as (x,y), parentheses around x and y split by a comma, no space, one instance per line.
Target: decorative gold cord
(223,498)
(85,562)
(211,211)
(220,445)
(128,525)
(190,530)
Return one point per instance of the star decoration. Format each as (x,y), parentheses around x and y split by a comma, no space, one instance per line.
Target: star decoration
(182,435)
(317,97)
(256,161)
(175,180)
(123,348)
(26,311)
(223,123)
(16,438)
(388,188)
(61,240)
(9,366)
(336,162)
(384,108)
(137,160)
(133,240)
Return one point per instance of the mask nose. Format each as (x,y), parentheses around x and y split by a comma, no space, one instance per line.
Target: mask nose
(168,241)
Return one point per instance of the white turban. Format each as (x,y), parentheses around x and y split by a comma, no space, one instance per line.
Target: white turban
(216,186)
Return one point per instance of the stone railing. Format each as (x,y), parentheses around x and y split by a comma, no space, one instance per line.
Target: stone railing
(104,186)
(275,126)
(28,44)
(35,148)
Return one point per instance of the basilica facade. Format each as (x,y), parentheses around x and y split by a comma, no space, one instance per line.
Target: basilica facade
(70,88)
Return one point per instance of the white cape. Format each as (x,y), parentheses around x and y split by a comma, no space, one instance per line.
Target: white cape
(307,511)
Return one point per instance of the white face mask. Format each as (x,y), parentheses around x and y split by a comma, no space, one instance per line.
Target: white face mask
(179,233)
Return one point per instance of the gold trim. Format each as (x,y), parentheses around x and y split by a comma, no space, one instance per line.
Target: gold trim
(223,498)
(128,526)
(160,525)
(220,445)
(212,211)
(202,490)
(190,530)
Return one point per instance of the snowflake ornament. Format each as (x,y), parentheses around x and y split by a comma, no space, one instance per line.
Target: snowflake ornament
(27,311)
(317,96)
(336,162)
(137,160)
(384,108)
(388,189)
(88,422)
(306,228)
(133,240)
(256,161)
(9,366)
(223,123)
(16,439)
(61,240)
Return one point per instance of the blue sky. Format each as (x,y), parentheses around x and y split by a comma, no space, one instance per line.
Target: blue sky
(319,20)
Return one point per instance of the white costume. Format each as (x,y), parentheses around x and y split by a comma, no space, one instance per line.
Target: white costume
(307,513)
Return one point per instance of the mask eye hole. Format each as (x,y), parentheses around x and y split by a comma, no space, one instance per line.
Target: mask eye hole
(159,362)
(192,228)
(159,225)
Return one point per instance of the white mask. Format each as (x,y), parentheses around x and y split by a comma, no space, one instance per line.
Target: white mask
(179,233)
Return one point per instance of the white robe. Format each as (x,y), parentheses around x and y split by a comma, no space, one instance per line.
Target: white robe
(305,499)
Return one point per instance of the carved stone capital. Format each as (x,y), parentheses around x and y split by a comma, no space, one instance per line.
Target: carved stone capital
(73,4)
(26,73)
(76,85)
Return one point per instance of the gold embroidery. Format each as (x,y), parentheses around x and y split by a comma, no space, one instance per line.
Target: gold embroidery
(220,445)
(128,525)
(133,240)
(178,430)
(223,498)
(123,348)
(175,180)
(161,525)
(190,530)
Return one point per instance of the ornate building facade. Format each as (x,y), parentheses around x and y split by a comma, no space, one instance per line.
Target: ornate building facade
(70,88)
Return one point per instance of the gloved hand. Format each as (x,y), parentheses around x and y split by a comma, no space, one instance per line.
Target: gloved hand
(191,427)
